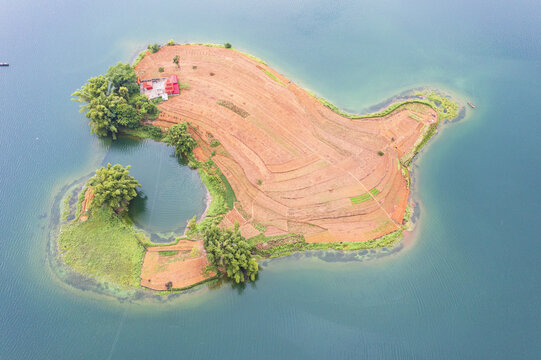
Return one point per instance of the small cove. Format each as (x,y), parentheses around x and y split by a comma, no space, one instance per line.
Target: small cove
(171,193)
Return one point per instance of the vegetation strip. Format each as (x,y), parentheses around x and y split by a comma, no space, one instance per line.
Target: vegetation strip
(364,197)
(272,76)
(445,107)
(236,109)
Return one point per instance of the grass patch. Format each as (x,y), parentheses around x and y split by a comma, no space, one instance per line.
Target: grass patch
(66,210)
(104,248)
(208,44)
(195,253)
(330,105)
(415,117)
(220,189)
(364,197)
(278,246)
(273,77)
(252,57)
(143,239)
(446,108)
(236,109)
(145,132)
(230,197)
(140,57)
(428,132)
(168,252)
(259,227)
(407,217)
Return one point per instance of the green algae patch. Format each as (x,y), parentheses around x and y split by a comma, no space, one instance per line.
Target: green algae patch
(104,248)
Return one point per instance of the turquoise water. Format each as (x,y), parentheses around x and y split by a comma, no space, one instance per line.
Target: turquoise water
(467,283)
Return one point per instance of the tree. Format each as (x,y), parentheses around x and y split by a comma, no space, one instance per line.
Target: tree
(179,137)
(176,60)
(128,116)
(101,115)
(113,186)
(123,75)
(114,101)
(100,106)
(93,88)
(228,45)
(227,249)
(145,107)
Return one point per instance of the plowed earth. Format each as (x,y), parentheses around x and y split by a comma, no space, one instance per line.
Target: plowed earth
(294,165)
(177,264)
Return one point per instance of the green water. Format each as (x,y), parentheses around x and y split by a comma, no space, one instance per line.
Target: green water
(465,285)
(170,193)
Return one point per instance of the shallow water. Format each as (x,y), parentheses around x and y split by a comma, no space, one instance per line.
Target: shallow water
(465,285)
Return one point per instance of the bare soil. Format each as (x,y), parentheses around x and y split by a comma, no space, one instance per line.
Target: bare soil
(182,269)
(85,206)
(293,163)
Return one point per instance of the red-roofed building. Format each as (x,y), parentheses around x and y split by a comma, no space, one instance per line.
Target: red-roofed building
(171,85)
(147,85)
(163,87)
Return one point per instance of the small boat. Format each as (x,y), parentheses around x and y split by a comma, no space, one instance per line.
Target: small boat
(471,105)
(4,64)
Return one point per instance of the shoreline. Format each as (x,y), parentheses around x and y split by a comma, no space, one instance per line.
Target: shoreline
(396,245)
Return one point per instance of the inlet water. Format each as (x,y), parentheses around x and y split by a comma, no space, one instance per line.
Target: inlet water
(466,285)
(171,193)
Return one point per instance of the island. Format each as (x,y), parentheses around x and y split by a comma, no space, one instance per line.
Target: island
(287,170)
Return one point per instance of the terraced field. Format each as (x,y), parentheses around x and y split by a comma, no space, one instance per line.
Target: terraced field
(295,165)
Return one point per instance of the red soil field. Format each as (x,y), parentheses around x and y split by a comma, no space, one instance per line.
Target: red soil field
(293,164)
(182,269)
(85,206)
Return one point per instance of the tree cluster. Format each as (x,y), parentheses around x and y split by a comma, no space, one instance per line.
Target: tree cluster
(113,101)
(227,249)
(179,137)
(113,186)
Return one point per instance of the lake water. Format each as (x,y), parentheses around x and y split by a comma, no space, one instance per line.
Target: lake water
(467,283)
(170,193)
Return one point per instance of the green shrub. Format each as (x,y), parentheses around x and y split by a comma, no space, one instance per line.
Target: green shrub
(160,69)
(228,45)
(381,153)
(153,48)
